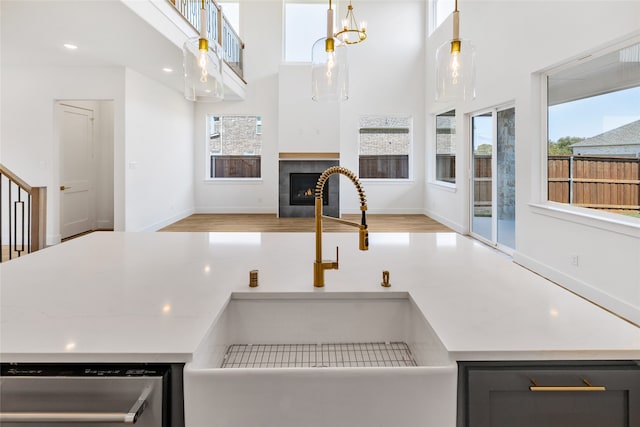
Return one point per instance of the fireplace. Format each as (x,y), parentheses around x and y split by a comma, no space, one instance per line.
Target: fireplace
(297,185)
(302,189)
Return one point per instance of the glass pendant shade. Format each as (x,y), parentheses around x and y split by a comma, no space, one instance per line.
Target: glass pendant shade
(202,72)
(455,71)
(329,70)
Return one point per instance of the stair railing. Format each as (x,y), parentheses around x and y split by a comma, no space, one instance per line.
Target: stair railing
(22,215)
(219,31)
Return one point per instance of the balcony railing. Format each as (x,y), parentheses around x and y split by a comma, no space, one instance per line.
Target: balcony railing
(22,216)
(219,31)
(232,47)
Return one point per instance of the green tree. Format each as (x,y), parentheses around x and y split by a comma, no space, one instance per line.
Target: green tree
(562,147)
(483,149)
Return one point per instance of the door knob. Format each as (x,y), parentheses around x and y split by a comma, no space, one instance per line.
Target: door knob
(62,188)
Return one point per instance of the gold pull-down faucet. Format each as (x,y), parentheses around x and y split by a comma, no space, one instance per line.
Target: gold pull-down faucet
(319,266)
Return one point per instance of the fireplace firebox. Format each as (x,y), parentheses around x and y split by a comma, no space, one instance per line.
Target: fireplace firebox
(297,180)
(302,189)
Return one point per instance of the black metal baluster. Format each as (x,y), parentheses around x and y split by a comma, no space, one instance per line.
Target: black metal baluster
(29,204)
(15,224)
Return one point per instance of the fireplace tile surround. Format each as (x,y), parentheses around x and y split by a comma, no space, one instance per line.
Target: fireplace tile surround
(307,164)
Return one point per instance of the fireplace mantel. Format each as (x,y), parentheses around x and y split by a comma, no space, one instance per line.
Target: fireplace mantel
(308,156)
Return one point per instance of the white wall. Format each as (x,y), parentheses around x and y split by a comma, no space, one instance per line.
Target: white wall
(261,62)
(514,40)
(29,145)
(386,78)
(104,152)
(305,125)
(158,154)
(152,135)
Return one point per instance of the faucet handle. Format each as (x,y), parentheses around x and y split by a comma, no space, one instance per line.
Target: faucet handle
(385,279)
(364,238)
(253,278)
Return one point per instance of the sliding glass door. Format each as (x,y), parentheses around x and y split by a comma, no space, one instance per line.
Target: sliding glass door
(482,188)
(493,177)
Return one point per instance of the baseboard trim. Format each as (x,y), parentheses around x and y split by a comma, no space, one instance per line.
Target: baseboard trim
(384,211)
(104,225)
(453,225)
(236,210)
(161,224)
(274,210)
(54,239)
(594,295)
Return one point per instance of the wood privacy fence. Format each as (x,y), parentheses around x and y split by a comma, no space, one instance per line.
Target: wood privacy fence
(384,166)
(611,183)
(236,166)
(482,176)
(446,167)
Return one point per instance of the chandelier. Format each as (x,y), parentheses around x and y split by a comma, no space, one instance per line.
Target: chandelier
(352,32)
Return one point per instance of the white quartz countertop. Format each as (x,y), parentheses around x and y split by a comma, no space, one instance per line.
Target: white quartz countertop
(151,297)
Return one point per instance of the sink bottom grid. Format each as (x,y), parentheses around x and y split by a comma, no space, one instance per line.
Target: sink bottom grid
(349,355)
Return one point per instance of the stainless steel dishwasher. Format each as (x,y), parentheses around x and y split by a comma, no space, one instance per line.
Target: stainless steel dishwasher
(85,395)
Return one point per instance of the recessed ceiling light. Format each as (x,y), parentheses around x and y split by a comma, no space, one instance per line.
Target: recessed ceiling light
(70,46)
(167,70)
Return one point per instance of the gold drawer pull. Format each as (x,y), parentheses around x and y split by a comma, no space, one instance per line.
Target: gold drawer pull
(587,387)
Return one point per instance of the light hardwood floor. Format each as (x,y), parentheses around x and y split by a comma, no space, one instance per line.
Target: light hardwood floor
(271,223)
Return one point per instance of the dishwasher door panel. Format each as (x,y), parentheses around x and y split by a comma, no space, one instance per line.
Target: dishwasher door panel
(81,401)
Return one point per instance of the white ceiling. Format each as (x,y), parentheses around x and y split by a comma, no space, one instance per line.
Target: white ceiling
(107,33)
(595,74)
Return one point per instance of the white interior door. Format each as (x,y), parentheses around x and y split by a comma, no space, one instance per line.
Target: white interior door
(77,210)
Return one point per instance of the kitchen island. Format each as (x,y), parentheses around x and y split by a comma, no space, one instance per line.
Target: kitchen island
(153,297)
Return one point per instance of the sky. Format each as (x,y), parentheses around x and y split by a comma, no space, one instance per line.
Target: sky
(592,116)
(583,118)
(305,23)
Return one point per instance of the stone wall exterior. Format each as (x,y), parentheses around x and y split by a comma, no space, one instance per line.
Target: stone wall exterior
(235,135)
(381,135)
(445,134)
(506,139)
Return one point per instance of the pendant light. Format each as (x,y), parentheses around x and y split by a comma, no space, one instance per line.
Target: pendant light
(329,67)
(455,66)
(202,66)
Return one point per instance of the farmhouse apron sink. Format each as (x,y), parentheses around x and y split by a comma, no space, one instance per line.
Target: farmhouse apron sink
(329,359)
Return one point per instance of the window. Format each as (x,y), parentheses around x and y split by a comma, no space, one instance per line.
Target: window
(304,24)
(234,147)
(385,144)
(440,10)
(446,147)
(593,156)
(231,11)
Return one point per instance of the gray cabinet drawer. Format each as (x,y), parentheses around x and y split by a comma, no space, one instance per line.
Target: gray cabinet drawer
(582,394)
